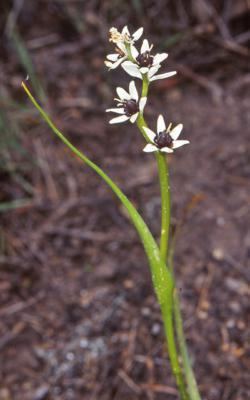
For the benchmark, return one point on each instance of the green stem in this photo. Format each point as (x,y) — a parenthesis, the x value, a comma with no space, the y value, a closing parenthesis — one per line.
(165,228)
(145,85)
(165,204)
(167,304)
(167,315)
(192,386)
(189,374)
(128,48)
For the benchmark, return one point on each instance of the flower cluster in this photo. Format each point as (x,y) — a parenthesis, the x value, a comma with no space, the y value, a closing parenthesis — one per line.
(144,65)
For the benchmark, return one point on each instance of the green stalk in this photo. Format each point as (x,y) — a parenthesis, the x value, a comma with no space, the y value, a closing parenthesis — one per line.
(167,306)
(187,366)
(167,315)
(165,203)
(165,228)
(164,184)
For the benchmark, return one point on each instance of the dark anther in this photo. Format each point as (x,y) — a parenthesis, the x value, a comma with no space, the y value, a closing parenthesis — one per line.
(145,59)
(130,107)
(163,139)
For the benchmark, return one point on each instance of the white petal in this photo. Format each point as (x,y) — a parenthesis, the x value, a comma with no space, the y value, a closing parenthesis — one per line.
(167,150)
(159,58)
(122,93)
(145,46)
(122,47)
(112,57)
(132,91)
(134,51)
(179,143)
(131,69)
(175,133)
(150,147)
(108,64)
(133,118)
(144,70)
(162,76)
(150,134)
(117,63)
(161,127)
(113,65)
(116,110)
(117,120)
(142,103)
(125,31)
(137,34)
(153,71)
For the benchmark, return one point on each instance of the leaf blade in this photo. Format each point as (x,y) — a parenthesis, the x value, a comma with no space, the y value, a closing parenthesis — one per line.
(161,276)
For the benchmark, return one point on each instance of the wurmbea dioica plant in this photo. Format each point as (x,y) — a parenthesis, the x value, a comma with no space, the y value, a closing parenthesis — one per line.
(130,105)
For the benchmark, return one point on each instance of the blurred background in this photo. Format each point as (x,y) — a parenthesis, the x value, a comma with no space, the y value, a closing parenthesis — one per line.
(78,317)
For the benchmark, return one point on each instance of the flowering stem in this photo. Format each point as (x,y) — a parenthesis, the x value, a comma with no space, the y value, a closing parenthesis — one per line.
(167,312)
(167,306)
(170,305)
(165,227)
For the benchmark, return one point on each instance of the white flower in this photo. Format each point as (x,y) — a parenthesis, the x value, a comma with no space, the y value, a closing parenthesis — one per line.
(164,140)
(145,63)
(124,36)
(121,40)
(115,59)
(128,105)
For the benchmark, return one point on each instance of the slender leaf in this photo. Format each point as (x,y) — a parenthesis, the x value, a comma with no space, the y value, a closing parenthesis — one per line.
(161,277)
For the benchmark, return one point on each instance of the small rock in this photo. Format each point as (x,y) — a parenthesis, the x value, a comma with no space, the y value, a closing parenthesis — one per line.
(41,393)
(218,254)
(84,343)
(220,221)
(145,311)
(234,306)
(4,394)
(128,284)
(230,323)
(237,286)
(156,328)
(70,356)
